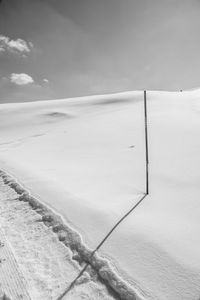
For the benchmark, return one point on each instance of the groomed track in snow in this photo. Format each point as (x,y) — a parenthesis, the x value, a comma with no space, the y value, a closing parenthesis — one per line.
(12,281)
(34,264)
(84,158)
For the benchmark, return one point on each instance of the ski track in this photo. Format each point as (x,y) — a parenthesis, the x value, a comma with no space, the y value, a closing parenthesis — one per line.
(34,263)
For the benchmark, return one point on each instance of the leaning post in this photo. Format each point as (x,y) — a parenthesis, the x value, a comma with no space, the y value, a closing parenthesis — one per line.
(146,142)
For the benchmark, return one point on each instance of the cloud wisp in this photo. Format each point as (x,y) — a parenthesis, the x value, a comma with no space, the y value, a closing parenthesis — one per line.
(21,79)
(18,46)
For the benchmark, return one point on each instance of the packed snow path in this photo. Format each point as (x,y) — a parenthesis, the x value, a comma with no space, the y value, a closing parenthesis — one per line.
(34,264)
(11,279)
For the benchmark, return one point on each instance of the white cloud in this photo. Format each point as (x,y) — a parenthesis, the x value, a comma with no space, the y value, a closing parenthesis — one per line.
(19,45)
(46,80)
(4,39)
(21,79)
(15,46)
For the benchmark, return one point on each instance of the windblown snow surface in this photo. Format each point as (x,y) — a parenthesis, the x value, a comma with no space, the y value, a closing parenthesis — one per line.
(85,159)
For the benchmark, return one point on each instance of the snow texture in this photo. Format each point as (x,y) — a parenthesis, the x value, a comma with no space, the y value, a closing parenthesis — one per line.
(84,159)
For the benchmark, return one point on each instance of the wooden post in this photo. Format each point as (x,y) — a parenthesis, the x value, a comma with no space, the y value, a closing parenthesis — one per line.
(146,143)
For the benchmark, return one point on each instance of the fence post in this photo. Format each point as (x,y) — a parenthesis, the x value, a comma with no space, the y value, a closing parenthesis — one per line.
(146,143)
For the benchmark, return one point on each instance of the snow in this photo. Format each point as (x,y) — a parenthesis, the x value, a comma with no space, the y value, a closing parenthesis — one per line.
(34,263)
(85,158)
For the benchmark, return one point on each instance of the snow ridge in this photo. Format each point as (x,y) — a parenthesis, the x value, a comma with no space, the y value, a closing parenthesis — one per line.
(72,239)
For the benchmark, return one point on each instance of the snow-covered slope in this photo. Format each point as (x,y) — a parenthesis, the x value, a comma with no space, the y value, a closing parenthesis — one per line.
(85,158)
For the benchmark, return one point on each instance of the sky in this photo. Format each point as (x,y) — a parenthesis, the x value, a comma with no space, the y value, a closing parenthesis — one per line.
(53,49)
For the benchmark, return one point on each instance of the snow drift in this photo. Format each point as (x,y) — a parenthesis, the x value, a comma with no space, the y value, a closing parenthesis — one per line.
(85,158)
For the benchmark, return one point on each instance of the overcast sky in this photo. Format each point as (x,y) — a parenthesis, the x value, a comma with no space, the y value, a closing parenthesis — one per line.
(62,48)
